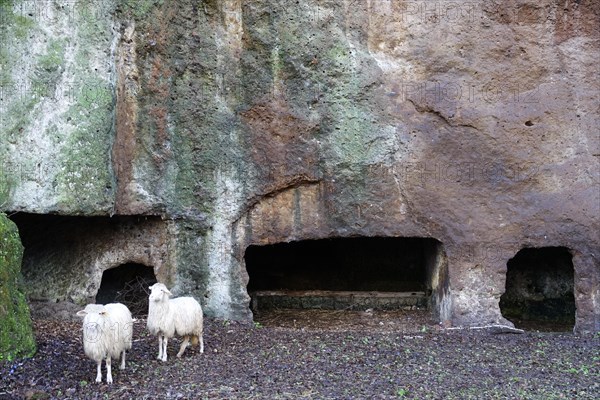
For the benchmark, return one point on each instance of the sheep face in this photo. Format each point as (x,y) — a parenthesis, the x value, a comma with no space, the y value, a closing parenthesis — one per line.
(159,292)
(94,318)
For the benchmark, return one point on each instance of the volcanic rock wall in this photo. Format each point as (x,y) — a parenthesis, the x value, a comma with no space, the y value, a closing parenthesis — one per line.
(240,123)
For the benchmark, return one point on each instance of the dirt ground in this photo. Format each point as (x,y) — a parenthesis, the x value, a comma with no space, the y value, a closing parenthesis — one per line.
(318,355)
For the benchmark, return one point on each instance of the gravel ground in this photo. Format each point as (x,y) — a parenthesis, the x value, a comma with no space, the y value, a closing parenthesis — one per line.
(318,355)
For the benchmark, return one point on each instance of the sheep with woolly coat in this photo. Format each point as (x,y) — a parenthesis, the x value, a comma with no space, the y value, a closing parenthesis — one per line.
(107,332)
(167,317)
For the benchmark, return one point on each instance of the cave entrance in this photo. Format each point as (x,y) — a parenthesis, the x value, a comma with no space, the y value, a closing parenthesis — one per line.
(539,290)
(127,284)
(361,273)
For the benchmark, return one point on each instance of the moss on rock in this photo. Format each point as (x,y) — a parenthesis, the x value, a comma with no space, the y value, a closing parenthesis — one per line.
(16,334)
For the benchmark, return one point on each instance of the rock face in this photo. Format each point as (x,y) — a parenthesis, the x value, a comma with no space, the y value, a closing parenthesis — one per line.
(16,334)
(252,123)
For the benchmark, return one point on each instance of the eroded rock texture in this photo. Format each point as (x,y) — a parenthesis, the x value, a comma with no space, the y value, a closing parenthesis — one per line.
(243,123)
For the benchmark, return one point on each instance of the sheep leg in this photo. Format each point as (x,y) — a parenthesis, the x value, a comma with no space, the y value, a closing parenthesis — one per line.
(184,344)
(108,371)
(164,353)
(160,346)
(99,371)
(123,361)
(201,344)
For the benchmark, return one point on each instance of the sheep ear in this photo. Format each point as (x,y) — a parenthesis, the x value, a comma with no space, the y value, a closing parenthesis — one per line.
(81,313)
(166,291)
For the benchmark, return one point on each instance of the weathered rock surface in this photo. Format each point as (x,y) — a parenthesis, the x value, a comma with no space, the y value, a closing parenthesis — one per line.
(57,106)
(16,334)
(259,122)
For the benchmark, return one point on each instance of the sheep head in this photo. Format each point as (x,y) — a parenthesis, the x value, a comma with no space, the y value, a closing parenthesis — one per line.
(159,292)
(93,319)
(91,310)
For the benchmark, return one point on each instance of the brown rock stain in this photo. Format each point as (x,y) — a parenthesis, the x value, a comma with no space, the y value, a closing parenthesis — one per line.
(124,147)
(158,85)
(293,213)
(577,18)
(281,143)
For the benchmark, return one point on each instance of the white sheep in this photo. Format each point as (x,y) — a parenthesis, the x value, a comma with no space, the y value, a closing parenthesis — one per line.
(107,332)
(167,317)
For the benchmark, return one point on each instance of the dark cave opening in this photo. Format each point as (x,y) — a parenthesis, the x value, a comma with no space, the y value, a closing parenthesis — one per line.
(127,284)
(60,249)
(347,273)
(539,291)
(41,231)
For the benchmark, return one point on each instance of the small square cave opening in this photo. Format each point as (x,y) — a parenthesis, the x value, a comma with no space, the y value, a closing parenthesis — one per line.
(384,273)
(127,284)
(539,290)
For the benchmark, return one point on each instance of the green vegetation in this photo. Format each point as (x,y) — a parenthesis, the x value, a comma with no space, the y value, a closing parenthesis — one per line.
(22,26)
(17,98)
(85,155)
(16,335)
(49,69)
